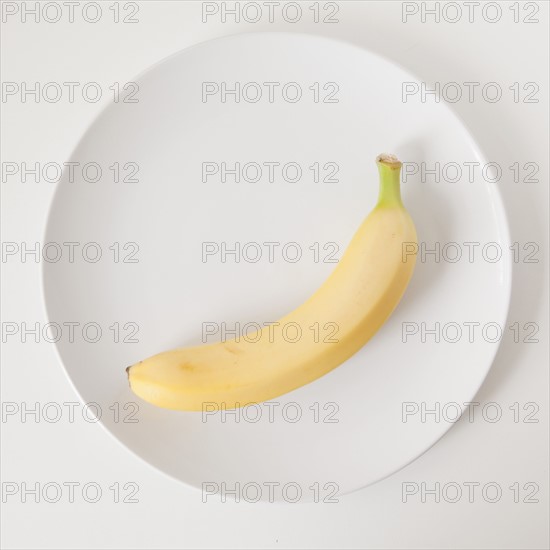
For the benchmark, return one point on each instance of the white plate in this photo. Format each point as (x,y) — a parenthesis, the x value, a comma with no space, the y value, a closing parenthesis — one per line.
(170,292)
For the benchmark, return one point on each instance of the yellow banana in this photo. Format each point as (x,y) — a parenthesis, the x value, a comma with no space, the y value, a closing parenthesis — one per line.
(357,298)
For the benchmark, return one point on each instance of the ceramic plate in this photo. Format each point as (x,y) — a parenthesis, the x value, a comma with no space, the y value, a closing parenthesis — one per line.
(184,257)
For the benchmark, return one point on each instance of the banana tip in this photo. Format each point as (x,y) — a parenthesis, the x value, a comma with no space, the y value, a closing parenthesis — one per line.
(388,158)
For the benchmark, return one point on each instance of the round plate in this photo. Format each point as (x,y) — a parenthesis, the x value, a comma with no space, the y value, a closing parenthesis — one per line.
(166,217)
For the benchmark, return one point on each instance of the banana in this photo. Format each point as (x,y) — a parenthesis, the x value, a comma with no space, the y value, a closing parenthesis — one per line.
(357,298)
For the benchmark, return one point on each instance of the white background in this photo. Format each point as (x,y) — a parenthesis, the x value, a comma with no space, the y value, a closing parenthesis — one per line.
(169,515)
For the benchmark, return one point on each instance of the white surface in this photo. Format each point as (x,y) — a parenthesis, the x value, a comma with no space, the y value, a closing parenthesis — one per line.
(168,515)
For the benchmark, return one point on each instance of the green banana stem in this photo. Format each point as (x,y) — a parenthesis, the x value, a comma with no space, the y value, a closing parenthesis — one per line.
(389,168)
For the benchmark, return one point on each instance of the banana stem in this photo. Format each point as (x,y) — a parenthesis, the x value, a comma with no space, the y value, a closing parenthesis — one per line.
(389,168)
